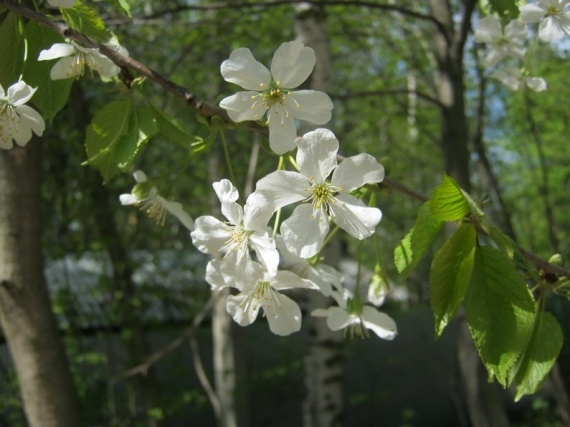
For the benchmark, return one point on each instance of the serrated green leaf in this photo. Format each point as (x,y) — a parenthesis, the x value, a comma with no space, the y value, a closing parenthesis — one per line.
(503,242)
(412,248)
(170,129)
(140,130)
(450,275)
(500,311)
(86,19)
(447,202)
(11,49)
(122,6)
(51,95)
(543,349)
(106,129)
(504,8)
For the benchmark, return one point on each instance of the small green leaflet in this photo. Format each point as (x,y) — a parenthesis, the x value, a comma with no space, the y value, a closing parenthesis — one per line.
(500,311)
(412,248)
(541,353)
(51,95)
(86,19)
(447,201)
(450,275)
(11,49)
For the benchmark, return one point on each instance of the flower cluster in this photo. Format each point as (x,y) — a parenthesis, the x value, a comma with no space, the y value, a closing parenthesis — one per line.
(507,45)
(260,265)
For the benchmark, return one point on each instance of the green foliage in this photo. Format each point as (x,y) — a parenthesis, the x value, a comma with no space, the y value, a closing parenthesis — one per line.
(504,8)
(500,311)
(11,49)
(86,19)
(447,202)
(541,353)
(412,248)
(169,128)
(108,129)
(450,274)
(51,95)
(122,6)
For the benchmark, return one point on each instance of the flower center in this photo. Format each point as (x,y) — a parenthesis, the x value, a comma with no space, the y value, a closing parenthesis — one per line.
(237,241)
(273,96)
(323,195)
(263,294)
(154,210)
(553,10)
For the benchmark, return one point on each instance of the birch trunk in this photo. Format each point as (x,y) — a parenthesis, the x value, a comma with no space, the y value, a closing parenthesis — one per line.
(323,405)
(28,324)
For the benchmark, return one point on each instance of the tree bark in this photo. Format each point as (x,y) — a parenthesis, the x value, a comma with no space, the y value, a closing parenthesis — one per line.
(29,325)
(324,404)
(484,406)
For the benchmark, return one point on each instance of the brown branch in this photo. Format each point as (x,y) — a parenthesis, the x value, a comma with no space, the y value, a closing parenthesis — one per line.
(173,345)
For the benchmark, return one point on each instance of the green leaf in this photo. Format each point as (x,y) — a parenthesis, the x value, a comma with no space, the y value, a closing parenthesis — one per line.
(500,311)
(504,8)
(447,201)
(450,274)
(412,248)
(11,49)
(503,242)
(170,129)
(543,349)
(51,95)
(86,19)
(106,129)
(141,129)
(122,6)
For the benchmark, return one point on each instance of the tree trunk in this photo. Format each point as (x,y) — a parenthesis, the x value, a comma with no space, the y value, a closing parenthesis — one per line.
(323,405)
(29,326)
(484,406)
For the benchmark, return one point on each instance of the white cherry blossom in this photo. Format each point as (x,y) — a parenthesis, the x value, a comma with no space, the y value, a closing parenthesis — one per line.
(306,229)
(515,79)
(246,228)
(357,318)
(262,290)
(17,120)
(553,19)
(511,42)
(74,58)
(271,92)
(145,195)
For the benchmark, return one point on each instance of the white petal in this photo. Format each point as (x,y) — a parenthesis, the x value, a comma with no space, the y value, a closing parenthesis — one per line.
(493,57)
(325,277)
(304,233)
(235,307)
(288,280)
(58,50)
(214,276)
(264,247)
(283,314)
(531,13)
(257,212)
(516,31)
(355,171)
(379,323)
(310,105)
(65,68)
(103,65)
(2,93)
(292,64)
(537,84)
(242,69)
(550,30)
(281,188)
(21,133)
(354,217)
(317,154)
(488,31)
(139,176)
(225,191)
(338,319)
(32,119)
(244,106)
(128,199)
(210,235)
(20,93)
(242,273)
(178,211)
(282,129)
